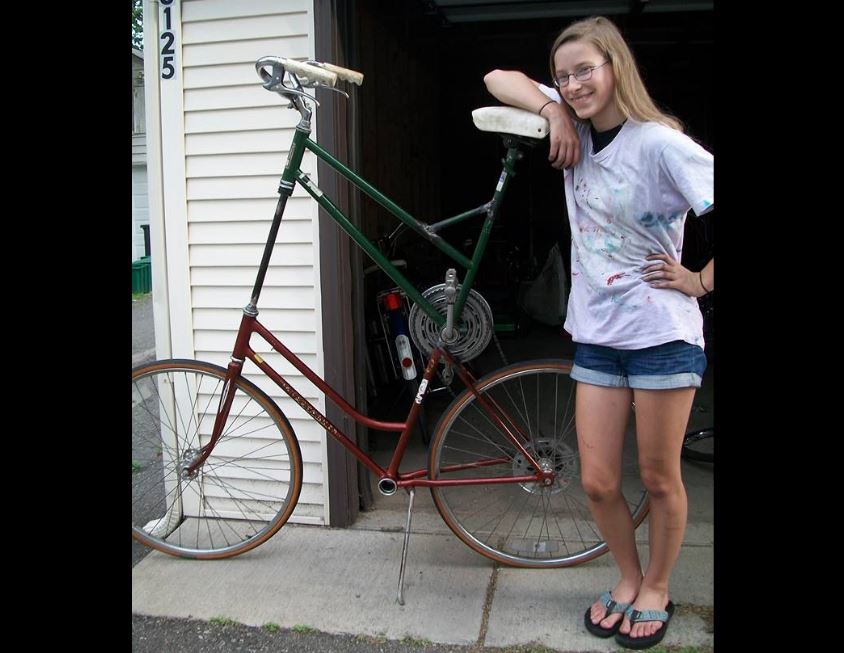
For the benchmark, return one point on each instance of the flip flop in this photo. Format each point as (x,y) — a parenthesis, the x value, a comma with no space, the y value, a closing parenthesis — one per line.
(613,607)
(637,616)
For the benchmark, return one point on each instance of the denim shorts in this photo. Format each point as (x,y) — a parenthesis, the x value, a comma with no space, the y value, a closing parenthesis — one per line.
(676,364)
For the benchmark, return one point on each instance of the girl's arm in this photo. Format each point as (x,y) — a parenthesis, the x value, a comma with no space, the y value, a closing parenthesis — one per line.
(518,90)
(665,272)
(706,276)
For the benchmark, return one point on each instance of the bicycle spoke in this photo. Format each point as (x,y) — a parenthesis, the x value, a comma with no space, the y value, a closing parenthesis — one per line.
(467,516)
(481,457)
(529,523)
(486,417)
(516,520)
(242,492)
(485,439)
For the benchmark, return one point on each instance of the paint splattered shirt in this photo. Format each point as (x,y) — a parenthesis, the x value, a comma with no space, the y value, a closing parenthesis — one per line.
(625,202)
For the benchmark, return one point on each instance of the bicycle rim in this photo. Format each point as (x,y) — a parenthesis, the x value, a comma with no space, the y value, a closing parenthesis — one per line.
(523,524)
(244,491)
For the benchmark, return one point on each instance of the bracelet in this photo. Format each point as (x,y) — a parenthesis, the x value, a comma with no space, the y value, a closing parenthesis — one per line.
(545,105)
(700,278)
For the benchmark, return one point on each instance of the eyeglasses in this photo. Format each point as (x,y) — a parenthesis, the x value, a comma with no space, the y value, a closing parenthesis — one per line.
(581,75)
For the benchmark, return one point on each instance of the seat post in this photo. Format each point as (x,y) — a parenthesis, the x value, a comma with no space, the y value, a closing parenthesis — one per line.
(519,142)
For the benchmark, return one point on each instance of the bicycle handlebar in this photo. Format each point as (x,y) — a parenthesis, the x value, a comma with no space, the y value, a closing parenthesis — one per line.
(345,74)
(308,73)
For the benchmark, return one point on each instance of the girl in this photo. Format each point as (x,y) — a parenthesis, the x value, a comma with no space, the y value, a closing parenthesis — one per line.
(630,178)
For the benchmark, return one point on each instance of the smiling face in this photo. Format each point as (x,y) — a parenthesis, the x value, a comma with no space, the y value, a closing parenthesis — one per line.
(593,99)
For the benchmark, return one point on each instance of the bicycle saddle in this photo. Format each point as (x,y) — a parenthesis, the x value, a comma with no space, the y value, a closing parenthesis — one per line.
(510,120)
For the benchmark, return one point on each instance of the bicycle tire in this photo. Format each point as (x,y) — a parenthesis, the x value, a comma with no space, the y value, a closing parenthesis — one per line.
(559,530)
(242,494)
(699,444)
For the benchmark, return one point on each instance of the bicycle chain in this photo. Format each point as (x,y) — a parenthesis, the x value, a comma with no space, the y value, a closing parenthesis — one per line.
(500,350)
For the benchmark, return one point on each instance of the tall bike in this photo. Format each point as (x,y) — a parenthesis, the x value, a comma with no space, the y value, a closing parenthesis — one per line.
(217,468)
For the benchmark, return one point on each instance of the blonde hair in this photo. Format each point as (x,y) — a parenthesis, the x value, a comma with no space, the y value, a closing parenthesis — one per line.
(631,96)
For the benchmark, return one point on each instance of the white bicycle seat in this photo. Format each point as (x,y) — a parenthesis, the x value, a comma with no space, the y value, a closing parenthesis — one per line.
(510,120)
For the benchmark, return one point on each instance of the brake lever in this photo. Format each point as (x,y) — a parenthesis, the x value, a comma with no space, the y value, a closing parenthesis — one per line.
(336,90)
(275,81)
(318,64)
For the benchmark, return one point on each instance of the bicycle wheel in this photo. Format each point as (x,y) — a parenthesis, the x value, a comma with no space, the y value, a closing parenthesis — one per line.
(699,445)
(523,524)
(246,489)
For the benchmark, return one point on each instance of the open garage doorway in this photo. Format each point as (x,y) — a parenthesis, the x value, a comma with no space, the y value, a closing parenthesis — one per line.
(423,64)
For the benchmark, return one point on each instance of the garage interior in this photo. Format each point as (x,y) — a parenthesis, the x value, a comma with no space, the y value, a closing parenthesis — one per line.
(423,63)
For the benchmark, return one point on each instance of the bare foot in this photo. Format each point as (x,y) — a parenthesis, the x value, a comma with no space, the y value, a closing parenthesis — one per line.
(623,592)
(647,599)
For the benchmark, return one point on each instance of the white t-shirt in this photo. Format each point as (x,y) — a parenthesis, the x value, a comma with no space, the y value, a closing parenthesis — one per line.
(625,202)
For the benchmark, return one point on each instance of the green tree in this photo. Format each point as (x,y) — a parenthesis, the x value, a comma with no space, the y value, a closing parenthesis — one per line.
(138,24)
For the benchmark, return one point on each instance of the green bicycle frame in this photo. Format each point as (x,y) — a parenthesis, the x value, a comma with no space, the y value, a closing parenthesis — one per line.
(293,173)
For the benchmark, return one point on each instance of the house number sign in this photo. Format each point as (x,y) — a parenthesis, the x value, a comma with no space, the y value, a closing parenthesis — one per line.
(167,40)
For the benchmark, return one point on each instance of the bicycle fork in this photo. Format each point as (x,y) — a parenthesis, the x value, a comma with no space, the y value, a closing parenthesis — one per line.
(189,467)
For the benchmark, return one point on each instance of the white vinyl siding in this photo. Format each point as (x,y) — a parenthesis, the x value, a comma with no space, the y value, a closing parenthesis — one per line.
(232,147)
(139,150)
(140,201)
(138,121)
(140,209)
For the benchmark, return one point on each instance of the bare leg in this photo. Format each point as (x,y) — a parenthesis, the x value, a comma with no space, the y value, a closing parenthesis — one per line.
(601,416)
(661,419)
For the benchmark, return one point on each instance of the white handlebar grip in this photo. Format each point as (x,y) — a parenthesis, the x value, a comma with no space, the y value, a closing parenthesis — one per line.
(345,73)
(311,72)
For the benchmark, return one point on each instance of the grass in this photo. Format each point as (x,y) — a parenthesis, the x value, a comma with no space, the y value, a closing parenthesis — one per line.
(303,629)
(139,295)
(407,640)
(539,648)
(136,467)
(411,641)
(222,621)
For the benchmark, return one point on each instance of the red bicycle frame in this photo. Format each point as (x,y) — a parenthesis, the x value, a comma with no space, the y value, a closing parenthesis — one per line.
(418,478)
